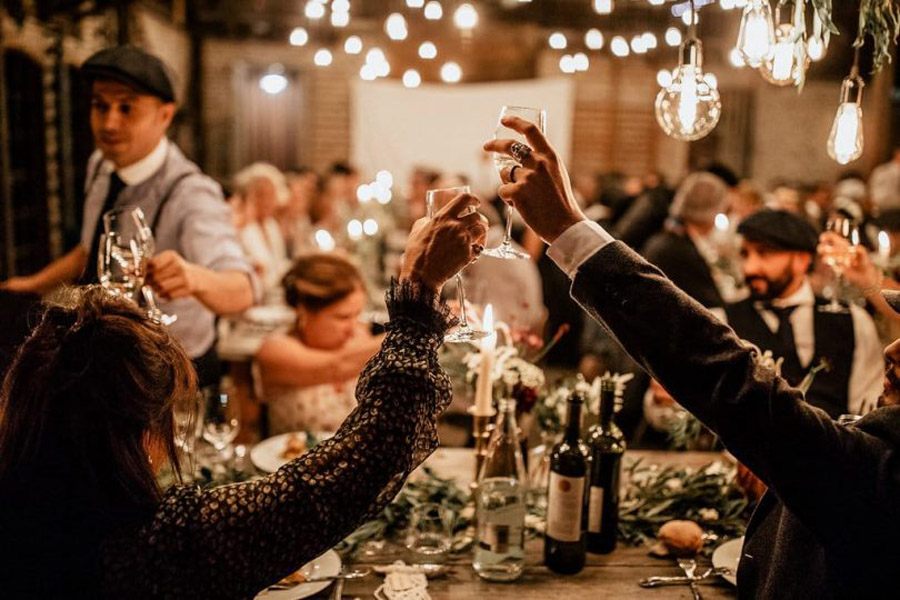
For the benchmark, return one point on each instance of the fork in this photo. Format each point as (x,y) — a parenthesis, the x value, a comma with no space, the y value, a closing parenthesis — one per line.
(689,566)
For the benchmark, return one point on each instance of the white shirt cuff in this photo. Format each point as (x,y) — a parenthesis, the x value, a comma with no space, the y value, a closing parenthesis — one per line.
(577,244)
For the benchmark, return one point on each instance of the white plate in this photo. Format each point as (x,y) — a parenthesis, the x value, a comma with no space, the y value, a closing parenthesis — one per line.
(327,565)
(266,455)
(729,555)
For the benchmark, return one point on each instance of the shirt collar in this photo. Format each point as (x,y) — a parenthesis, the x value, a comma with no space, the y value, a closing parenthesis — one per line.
(802,297)
(143,169)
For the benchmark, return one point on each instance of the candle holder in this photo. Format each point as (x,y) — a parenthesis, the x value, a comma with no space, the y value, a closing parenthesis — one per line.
(482,427)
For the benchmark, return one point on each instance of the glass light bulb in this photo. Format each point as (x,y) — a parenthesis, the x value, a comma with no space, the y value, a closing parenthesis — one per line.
(567,64)
(412,79)
(451,72)
(299,37)
(787,62)
(340,19)
(815,48)
(690,106)
(619,46)
(465,17)
(395,27)
(845,144)
(757,33)
(323,57)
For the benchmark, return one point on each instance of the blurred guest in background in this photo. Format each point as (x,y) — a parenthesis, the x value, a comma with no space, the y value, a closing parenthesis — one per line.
(884,184)
(264,190)
(683,251)
(309,375)
(647,214)
(199,270)
(296,225)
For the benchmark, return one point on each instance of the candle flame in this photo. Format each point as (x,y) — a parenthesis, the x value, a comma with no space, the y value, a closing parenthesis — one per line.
(488,319)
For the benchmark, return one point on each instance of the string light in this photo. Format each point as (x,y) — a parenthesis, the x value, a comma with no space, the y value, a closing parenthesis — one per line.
(340,19)
(650,41)
(324,240)
(581,61)
(273,83)
(603,7)
(427,51)
(736,58)
(340,6)
(412,79)
(558,41)
(465,17)
(619,46)
(664,78)
(637,45)
(434,11)
(593,39)
(567,64)
(299,37)
(395,27)
(451,72)
(415,3)
(673,36)
(314,10)
(353,45)
(757,33)
(323,57)
(355,229)
(845,142)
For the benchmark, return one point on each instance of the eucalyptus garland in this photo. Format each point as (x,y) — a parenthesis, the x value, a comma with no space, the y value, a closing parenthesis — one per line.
(878,19)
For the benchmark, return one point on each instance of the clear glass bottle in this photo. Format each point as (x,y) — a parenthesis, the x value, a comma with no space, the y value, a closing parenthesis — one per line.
(500,502)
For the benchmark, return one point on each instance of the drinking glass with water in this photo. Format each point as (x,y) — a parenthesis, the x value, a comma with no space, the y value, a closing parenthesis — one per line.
(429,537)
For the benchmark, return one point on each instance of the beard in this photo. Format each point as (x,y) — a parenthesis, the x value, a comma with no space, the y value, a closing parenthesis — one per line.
(772,289)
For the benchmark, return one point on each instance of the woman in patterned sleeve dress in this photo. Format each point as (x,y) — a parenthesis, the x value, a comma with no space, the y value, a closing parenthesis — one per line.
(85,419)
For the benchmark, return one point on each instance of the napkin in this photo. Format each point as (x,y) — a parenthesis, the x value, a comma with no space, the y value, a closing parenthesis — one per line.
(402,582)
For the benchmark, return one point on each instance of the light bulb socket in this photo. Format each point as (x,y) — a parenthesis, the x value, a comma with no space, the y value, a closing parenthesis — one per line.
(691,53)
(852,89)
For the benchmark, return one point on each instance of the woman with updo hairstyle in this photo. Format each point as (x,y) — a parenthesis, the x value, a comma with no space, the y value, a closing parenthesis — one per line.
(86,423)
(308,375)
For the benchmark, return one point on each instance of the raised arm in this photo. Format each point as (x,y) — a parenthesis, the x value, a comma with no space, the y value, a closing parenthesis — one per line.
(797,450)
(235,540)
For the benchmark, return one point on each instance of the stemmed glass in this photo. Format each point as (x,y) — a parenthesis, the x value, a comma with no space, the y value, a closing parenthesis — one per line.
(839,256)
(221,421)
(434,201)
(125,249)
(502,161)
(188,419)
(429,536)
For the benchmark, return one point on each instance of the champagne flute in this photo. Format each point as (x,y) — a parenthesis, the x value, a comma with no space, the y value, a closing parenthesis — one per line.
(839,256)
(502,161)
(434,201)
(221,421)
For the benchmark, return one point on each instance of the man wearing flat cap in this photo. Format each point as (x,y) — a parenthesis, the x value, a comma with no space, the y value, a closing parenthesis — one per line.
(784,316)
(199,269)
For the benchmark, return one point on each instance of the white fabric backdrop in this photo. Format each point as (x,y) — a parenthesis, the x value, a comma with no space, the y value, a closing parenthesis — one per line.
(443,126)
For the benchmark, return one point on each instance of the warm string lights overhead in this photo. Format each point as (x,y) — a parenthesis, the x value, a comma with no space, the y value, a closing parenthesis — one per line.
(787,61)
(688,106)
(845,142)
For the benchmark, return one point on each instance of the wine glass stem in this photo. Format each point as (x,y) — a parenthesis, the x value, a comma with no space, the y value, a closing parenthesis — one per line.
(461,296)
(507,237)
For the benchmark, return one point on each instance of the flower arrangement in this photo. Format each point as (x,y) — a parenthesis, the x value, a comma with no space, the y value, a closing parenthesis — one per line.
(550,411)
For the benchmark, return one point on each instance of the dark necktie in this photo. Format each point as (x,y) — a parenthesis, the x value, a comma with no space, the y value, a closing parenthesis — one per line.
(116,185)
(785,334)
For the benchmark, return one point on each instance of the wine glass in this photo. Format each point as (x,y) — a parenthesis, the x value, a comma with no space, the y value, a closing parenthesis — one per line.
(188,420)
(502,161)
(147,245)
(839,256)
(118,269)
(221,421)
(434,201)
(429,536)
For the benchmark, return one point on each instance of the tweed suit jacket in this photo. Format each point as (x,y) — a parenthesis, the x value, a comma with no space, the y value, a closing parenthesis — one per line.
(830,524)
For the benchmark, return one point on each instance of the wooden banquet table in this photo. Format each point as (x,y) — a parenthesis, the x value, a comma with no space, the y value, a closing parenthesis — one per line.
(615,575)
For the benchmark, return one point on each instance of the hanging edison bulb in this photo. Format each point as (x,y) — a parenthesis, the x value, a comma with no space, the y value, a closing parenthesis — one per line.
(845,143)
(757,34)
(787,62)
(689,107)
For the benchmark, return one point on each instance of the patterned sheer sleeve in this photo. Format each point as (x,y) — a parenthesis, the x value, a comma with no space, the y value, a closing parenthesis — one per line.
(232,541)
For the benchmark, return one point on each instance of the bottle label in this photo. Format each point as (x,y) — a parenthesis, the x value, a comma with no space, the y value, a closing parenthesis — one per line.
(595,509)
(565,500)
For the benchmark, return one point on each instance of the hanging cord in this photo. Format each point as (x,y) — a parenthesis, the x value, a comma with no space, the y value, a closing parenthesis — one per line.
(692,28)
(854,70)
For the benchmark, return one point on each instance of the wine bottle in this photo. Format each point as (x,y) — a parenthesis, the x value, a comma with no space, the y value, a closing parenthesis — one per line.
(564,549)
(607,444)
(500,502)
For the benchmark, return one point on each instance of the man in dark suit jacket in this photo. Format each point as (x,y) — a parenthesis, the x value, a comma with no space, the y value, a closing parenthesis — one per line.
(829,524)
(683,250)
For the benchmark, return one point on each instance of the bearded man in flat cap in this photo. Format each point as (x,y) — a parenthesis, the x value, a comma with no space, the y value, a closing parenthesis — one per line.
(199,270)
(784,316)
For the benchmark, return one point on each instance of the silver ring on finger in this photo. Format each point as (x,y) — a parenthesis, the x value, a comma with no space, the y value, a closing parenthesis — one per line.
(520,152)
